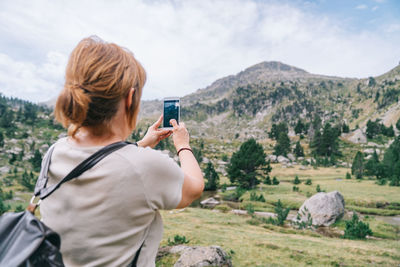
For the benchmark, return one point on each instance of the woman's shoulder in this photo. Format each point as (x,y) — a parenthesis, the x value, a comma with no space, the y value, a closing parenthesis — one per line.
(139,154)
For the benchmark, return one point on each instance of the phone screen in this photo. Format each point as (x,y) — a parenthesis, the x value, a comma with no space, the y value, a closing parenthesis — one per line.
(171,111)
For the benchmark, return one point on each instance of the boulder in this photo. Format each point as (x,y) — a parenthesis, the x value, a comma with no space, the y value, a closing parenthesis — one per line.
(358,137)
(324,208)
(209,202)
(371,151)
(199,256)
(291,157)
(272,158)
(282,159)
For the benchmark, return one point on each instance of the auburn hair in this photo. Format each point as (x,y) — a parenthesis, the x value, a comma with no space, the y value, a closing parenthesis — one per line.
(98,76)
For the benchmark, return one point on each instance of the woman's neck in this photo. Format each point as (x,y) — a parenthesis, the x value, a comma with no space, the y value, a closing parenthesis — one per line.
(118,131)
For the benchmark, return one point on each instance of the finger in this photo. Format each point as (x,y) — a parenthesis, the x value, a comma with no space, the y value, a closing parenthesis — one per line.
(182,124)
(162,137)
(174,124)
(163,132)
(158,122)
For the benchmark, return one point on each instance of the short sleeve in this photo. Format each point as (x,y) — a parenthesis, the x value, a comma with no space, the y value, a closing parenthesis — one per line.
(162,179)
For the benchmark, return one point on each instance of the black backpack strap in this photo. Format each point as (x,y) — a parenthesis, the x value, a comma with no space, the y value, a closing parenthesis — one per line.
(42,191)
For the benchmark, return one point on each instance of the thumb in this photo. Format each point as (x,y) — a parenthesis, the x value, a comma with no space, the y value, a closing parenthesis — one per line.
(174,124)
(158,122)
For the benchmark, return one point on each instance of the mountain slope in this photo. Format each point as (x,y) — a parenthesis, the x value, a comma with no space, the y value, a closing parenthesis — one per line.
(246,104)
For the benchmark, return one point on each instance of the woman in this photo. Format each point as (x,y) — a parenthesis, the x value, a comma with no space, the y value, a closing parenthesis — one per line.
(112,210)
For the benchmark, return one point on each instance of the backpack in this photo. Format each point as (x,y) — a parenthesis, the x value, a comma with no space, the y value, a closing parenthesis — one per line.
(24,239)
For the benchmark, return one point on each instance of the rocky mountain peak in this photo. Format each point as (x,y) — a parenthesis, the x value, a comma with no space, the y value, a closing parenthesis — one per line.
(273,66)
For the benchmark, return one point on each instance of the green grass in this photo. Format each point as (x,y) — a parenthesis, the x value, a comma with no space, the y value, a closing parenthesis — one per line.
(268,245)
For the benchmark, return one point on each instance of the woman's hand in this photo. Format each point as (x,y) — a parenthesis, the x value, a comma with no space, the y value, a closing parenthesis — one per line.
(181,135)
(154,135)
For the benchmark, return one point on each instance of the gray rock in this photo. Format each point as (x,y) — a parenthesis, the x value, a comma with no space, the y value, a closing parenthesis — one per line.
(272,158)
(209,202)
(202,256)
(4,169)
(358,137)
(324,208)
(282,159)
(291,157)
(221,162)
(371,151)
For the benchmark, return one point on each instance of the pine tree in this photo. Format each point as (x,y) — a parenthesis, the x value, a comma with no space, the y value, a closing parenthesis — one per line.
(372,129)
(357,168)
(300,127)
(282,146)
(398,125)
(296,180)
(345,128)
(267,180)
(36,160)
(1,139)
(372,165)
(391,162)
(212,178)
(27,181)
(298,150)
(277,129)
(244,164)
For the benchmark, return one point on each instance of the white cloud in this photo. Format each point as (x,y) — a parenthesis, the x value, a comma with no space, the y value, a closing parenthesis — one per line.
(184,45)
(29,81)
(362,6)
(393,28)
(374,8)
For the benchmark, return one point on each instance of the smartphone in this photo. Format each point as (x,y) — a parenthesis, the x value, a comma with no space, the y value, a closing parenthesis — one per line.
(171,110)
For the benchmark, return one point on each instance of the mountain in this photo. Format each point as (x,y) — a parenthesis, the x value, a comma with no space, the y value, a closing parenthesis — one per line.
(246,104)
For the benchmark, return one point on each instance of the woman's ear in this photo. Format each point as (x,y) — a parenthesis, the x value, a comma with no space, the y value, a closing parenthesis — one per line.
(129,98)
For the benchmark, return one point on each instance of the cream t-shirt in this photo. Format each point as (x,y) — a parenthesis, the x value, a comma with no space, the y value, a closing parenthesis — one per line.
(104,215)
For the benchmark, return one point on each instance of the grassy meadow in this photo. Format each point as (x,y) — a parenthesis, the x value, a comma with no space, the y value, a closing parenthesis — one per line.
(251,242)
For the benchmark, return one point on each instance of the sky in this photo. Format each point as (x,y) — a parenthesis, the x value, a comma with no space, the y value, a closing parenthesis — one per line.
(187,45)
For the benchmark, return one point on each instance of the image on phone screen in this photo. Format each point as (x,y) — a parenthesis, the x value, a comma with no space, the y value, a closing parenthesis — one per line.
(171,111)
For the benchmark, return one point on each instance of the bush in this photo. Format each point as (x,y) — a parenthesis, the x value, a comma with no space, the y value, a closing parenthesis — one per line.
(223,208)
(250,208)
(356,229)
(255,197)
(235,195)
(267,180)
(223,187)
(348,175)
(275,181)
(296,180)
(19,208)
(281,212)
(318,188)
(299,224)
(177,240)
(308,182)
(381,181)
(295,188)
